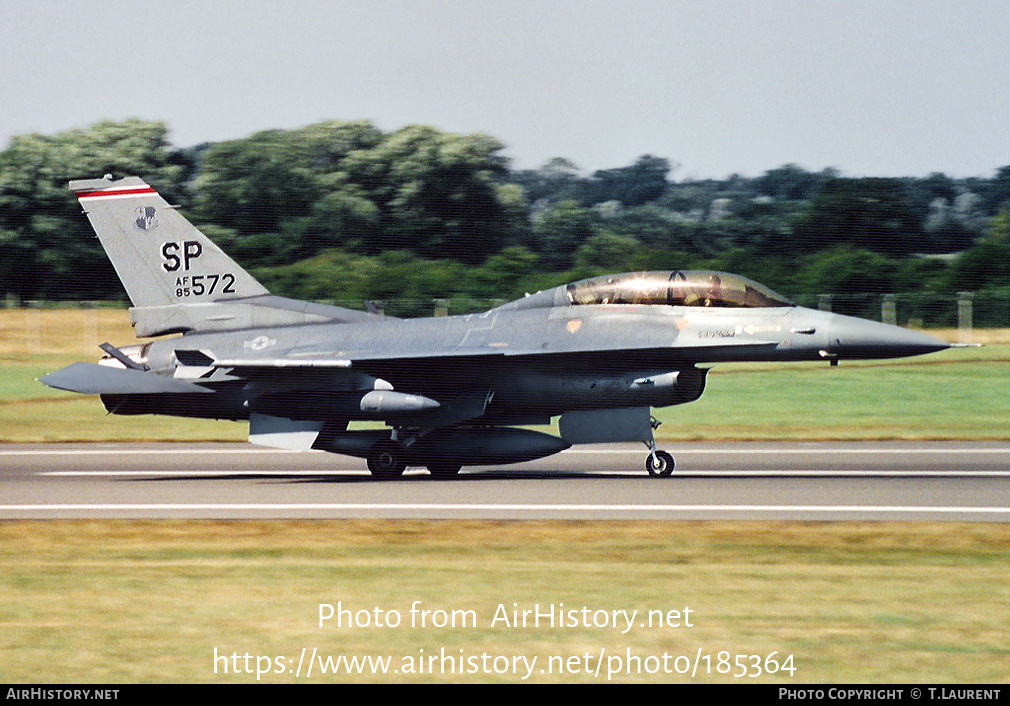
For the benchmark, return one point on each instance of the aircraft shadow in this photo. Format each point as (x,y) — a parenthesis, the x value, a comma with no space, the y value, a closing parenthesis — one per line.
(498,475)
(365,477)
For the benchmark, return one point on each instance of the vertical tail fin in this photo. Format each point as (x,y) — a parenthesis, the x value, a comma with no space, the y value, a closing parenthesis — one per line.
(177,278)
(161,258)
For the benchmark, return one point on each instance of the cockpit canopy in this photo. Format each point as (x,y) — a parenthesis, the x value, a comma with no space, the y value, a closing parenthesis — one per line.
(697,288)
(678,288)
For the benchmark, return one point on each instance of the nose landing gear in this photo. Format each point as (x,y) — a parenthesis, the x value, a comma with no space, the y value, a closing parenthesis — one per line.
(658,462)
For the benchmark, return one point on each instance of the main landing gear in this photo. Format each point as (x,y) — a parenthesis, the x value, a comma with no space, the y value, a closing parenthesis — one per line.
(658,462)
(386,460)
(443,469)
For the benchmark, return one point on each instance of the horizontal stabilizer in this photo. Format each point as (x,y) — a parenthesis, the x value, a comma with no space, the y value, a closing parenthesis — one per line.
(92,379)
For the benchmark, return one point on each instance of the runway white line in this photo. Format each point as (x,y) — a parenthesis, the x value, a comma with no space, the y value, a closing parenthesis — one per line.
(147,452)
(274,507)
(215,472)
(681,474)
(745,450)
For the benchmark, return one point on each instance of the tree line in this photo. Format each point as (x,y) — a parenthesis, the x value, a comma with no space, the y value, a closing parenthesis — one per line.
(343,211)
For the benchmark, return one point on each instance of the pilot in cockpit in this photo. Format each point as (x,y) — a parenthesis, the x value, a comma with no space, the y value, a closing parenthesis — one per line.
(713,294)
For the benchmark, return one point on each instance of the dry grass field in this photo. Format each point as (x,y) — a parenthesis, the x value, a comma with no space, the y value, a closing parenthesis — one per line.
(126,602)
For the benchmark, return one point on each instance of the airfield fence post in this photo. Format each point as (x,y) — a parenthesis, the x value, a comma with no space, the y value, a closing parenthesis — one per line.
(964,315)
(33,326)
(89,325)
(889,309)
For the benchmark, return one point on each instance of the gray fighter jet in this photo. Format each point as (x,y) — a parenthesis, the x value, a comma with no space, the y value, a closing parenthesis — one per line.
(451,391)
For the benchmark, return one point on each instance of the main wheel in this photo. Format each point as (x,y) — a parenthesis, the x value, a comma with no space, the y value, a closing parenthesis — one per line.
(660,464)
(444,469)
(385,460)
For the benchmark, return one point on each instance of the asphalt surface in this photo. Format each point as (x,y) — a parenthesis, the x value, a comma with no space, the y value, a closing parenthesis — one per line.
(949,481)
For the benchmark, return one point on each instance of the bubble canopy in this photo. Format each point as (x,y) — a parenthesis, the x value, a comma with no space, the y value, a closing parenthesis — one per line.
(696,288)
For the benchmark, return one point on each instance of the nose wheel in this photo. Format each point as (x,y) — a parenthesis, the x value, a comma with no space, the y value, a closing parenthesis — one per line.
(659,463)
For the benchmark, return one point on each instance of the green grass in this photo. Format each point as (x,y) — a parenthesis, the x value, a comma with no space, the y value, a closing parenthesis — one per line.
(129,601)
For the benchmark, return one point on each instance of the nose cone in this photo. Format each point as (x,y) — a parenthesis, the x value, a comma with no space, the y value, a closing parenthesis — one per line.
(851,337)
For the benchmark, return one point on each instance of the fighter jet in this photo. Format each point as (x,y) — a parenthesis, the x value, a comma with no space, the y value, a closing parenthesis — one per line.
(447,392)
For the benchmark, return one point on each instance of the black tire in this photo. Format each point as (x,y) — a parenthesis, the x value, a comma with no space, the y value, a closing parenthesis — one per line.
(663,466)
(444,469)
(385,460)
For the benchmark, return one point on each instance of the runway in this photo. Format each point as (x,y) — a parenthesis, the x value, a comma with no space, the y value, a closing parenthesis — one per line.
(920,481)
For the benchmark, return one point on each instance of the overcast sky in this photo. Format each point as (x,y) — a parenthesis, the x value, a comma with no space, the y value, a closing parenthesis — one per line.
(870,87)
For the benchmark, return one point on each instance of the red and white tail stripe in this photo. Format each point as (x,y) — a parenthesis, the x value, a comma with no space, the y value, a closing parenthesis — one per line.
(116,192)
